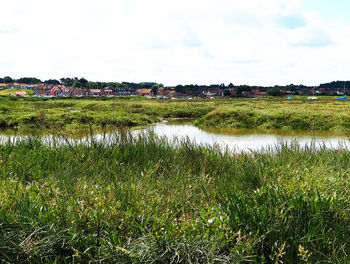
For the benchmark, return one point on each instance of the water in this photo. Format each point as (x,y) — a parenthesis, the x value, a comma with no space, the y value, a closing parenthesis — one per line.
(250,139)
(235,140)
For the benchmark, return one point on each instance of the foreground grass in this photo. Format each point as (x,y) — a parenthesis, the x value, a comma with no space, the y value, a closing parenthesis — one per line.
(143,200)
(264,113)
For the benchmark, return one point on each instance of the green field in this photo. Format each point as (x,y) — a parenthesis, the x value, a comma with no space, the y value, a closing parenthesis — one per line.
(13,91)
(264,113)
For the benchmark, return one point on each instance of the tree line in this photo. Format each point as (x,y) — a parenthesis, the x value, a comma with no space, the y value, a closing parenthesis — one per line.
(86,84)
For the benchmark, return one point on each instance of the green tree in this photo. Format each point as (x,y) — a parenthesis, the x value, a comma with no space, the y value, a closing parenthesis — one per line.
(8,79)
(76,84)
(52,81)
(275,92)
(83,82)
(155,89)
(227,92)
(29,80)
(243,88)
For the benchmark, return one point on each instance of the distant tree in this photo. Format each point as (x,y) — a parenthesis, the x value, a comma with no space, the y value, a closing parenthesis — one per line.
(76,84)
(1,80)
(52,81)
(67,81)
(155,89)
(243,88)
(230,86)
(83,82)
(179,88)
(91,85)
(275,92)
(29,80)
(335,85)
(227,92)
(147,85)
(8,79)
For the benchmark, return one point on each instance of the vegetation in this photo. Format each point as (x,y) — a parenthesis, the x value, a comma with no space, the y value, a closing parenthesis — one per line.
(100,112)
(325,114)
(277,90)
(12,92)
(267,113)
(144,200)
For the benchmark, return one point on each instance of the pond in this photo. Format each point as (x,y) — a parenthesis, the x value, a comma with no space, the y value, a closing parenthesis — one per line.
(250,139)
(235,140)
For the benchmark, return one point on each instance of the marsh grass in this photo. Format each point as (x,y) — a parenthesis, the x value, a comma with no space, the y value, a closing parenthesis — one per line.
(265,113)
(142,199)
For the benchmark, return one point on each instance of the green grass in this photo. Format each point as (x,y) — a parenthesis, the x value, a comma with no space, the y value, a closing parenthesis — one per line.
(144,200)
(264,113)
(13,91)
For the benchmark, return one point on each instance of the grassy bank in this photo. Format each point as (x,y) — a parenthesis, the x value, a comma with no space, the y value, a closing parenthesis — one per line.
(143,200)
(265,113)
(325,114)
(99,112)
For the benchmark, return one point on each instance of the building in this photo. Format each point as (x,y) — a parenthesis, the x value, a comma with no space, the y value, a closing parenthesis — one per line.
(145,92)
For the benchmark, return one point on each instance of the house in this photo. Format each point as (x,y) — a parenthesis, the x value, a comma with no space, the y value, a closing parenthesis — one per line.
(144,92)
(21,94)
(79,92)
(41,92)
(40,86)
(108,92)
(124,91)
(196,93)
(95,92)
(209,93)
(56,91)
(170,93)
(257,92)
(161,91)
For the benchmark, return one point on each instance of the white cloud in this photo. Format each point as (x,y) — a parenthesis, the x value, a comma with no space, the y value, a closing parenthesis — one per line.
(253,41)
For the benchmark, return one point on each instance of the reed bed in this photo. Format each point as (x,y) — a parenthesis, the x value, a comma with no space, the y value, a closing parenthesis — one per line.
(142,199)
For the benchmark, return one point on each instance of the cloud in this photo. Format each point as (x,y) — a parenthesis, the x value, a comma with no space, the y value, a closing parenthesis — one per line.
(314,34)
(252,41)
(292,21)
(190,39)
(245,61)
(314,38)
(9,30)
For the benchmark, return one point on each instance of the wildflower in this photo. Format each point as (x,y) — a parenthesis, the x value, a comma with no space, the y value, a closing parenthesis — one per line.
(303,253)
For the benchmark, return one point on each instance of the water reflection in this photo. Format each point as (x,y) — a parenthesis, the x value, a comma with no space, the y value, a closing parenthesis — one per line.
(236,140)
(249,139)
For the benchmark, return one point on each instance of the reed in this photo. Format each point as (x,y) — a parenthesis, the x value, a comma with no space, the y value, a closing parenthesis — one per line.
(142,199)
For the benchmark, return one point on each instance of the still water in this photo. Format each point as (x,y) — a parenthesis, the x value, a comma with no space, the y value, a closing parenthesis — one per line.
(235,140)
(250,139)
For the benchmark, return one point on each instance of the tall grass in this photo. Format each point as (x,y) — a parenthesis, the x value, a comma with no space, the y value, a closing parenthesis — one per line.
(143,199)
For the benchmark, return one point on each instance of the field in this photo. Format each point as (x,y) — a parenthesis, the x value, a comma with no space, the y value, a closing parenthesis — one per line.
(324,114)
(142,199)
(13,91)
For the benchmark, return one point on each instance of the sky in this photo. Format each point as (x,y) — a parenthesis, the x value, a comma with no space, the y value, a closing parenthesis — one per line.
(254,42)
